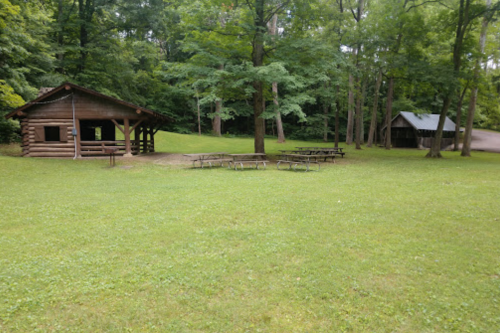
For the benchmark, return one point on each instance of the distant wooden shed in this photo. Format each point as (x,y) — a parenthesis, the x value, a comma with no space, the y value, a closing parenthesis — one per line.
(411,130)
(71,120)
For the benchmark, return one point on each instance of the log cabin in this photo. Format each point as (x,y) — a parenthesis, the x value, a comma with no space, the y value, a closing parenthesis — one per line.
(411,130)
(73,121)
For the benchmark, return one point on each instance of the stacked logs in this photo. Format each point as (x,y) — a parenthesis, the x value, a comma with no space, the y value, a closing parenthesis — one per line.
(31,148)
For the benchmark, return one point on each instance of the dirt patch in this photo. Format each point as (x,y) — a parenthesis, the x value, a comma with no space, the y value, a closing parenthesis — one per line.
(485,141)
(162,158)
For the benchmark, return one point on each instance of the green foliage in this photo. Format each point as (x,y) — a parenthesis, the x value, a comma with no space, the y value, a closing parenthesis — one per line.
(167,55)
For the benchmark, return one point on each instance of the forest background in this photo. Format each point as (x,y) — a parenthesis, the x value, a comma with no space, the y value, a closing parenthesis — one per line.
(331,70)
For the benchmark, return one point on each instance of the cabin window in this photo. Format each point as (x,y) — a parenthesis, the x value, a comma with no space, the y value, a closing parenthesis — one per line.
(52,133)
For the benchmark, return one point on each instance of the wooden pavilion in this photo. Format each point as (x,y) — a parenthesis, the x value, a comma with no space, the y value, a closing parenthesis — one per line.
(72,121)
(411,130)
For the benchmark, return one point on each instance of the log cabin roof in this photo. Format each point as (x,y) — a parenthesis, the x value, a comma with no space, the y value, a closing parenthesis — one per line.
(68,86)
(425,122)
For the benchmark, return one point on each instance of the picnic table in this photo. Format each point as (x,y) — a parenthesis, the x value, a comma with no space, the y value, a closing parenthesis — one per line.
(322,150)
(300,159)
(248,158)
(209,158)
(324,154)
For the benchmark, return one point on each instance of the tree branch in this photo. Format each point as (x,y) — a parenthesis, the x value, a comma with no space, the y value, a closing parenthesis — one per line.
(430,1)
(276,11)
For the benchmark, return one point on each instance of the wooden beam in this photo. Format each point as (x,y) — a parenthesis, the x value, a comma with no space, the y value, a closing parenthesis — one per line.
(138,111)
(67,87)
(137,134)
(118,125)
(78,139)
(135,125)
(21,114)
(128,150)
(144,139)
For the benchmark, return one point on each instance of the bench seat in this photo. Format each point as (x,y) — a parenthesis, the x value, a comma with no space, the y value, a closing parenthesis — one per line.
(214,160)
(241,162)
(295,163)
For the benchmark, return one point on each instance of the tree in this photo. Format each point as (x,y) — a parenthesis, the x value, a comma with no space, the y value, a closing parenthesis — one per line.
(466,147)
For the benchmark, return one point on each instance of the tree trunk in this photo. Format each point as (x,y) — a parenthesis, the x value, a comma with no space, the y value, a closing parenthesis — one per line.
(350,122)
(279,124)
(358,92)
(466,147)
(362,115)
(359,97)
(373,124)
(258,60)
(216,122)
(199,114)
(458,119)
(337,117)
(388,113)
(86,11)
(463,22)
(60,37)
(326,110)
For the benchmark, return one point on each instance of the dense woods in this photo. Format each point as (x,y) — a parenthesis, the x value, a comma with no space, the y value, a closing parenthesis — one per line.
(332,70)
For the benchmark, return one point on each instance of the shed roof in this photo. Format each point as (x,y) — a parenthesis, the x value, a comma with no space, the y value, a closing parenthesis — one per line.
(67,85)
(426,122)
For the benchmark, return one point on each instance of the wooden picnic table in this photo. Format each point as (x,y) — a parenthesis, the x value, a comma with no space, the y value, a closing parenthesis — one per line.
(209,158)
(322,150)
(248,158)
(296,159)
(324,153)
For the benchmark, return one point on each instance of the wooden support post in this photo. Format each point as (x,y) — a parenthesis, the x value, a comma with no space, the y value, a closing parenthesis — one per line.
(78,139)
(137,137)
(145,139)
(128,150)
(152,135)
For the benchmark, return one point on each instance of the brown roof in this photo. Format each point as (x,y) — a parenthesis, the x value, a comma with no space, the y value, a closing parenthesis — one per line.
(156,115)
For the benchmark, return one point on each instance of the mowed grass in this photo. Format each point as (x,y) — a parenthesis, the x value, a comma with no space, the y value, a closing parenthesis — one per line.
(382,241)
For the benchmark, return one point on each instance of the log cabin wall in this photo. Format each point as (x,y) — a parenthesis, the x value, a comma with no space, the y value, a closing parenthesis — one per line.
(46,130)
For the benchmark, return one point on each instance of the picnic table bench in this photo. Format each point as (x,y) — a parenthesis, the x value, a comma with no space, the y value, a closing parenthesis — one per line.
(209,158)
(249,158)
(299,159)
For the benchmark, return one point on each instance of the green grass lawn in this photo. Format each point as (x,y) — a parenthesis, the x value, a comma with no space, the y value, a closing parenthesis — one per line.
(382,241)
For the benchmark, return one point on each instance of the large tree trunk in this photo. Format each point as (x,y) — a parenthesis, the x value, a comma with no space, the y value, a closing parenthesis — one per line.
(279,124)
(337,117)
(86,11)
(258,60)
(463,21)
(216,121)
(326,113)
(466,147)
(326,109)
(458,119)
(60,37)
(388,113)
(435,150)
(359,97)
(362,115)
(199,113)
(350,120)
(373,123)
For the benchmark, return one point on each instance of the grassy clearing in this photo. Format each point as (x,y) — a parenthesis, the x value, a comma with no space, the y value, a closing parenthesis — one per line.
(382,241)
